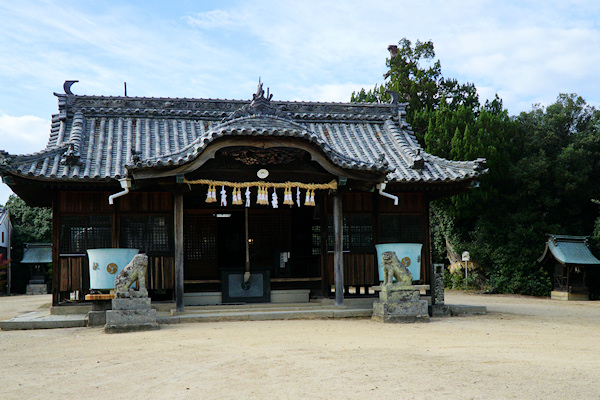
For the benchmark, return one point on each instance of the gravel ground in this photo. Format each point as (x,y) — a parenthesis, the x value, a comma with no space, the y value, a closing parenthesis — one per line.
(524,348)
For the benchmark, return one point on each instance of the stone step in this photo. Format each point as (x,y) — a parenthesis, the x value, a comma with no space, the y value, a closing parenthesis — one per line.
(265,315)
(41,320)
(458,310)
(232,308)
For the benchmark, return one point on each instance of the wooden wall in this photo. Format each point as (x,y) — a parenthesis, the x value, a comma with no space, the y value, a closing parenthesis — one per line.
(71,272)
(360,269)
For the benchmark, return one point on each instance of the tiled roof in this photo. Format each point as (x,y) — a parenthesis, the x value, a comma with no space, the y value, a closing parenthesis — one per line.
(569,250)
(3,215)
(95,138)
(37,253)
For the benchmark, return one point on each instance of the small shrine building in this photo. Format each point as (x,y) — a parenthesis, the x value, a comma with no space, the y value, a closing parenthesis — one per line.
(575,269)
(296,192)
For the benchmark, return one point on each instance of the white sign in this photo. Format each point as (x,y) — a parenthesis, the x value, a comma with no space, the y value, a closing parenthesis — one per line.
(465,256)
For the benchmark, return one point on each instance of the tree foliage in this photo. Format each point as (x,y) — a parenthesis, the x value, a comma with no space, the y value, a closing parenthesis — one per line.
(543,168)
(30,225)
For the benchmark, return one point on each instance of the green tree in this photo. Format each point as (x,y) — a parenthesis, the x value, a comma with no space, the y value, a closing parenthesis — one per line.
(543,167)
(30,225)
(552,175)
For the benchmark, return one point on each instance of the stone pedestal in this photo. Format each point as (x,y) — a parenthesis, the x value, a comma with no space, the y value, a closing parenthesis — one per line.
(101,302)
(129,315)
(37,288)
(400,304)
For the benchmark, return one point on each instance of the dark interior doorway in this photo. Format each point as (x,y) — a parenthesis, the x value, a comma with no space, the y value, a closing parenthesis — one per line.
(231,252)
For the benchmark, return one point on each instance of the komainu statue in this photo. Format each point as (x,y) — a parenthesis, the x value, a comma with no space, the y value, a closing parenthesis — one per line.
(393,268)
(135,271)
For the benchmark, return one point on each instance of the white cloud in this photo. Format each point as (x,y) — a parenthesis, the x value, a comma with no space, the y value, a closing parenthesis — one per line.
(329,92)
(23,135)
(521,50)
(211,19)
(5,192)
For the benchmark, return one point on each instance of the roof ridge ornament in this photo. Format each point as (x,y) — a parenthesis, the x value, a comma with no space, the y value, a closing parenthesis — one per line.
(71,156)
(260,93)
(260,105)
(67,87)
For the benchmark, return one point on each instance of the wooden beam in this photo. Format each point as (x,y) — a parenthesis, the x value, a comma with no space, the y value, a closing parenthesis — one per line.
(338,249)
(178,233)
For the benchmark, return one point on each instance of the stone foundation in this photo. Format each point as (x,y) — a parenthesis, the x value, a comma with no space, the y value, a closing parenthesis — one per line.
(557,295)
(129,315)
(400,304)
(34,289)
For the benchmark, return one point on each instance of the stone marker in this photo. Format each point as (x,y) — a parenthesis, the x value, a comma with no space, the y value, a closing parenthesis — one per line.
(131,310)
(438,308)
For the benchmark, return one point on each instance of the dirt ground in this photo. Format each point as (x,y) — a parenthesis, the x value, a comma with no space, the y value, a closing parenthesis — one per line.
(525,348)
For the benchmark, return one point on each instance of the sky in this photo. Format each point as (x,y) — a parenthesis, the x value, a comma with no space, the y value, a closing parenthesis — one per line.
(527,52)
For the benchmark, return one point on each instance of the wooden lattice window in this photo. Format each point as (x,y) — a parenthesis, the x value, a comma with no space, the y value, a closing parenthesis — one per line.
(151,234)
(79,233)
(401,228)
(357,233)
(316,240)
(200,237)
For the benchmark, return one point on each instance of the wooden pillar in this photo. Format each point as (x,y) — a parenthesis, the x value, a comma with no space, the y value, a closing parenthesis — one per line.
(325,281)
(427,267)
(338,249)
(178,231)
(56,273)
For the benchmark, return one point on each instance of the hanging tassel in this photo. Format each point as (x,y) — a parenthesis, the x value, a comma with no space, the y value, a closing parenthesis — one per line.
(208,197)
(238,197)
(307,198)
(312,197)
(223,197)
(213,194)
(298,196)
(287,197)
(248,196)
(234,200)
(274,202)
(210,194)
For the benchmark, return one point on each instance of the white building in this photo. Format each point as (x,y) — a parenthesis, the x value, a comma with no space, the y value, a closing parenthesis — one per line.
(5,234)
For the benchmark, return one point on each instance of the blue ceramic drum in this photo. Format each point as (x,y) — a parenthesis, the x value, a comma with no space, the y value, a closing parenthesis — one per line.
(408,253)
(105,264)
